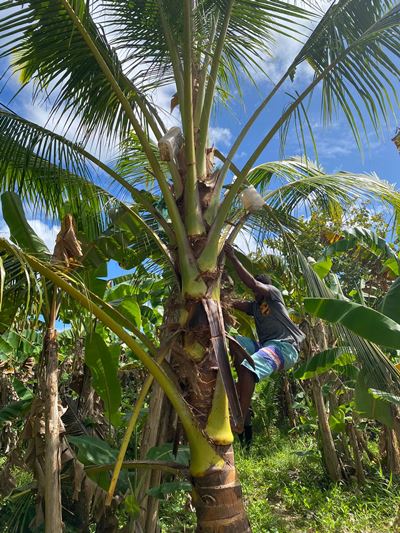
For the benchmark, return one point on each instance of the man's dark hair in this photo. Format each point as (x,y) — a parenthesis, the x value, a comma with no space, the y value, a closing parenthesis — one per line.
(263,278)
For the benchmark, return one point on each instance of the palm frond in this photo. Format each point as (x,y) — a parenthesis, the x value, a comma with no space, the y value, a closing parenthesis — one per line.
(49,174)
(136,28)
(252,30)
(55,176)
(304,187)
(270,222)
(354,49)
(45,47)
(307,185)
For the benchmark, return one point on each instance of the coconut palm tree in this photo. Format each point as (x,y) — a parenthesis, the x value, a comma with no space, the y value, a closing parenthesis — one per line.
(97,64)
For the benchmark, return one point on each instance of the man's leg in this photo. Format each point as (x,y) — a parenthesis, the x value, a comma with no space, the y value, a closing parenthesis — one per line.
(247,436)
(263,365)
(246,385)
(241,348)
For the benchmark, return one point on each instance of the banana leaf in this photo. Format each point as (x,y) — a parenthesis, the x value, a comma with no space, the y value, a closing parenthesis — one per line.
(362,320)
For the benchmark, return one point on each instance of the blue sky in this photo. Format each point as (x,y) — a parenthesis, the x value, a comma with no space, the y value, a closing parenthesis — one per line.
(337,148)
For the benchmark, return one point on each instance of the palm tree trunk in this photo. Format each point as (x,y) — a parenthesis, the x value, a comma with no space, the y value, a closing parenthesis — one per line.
(217,497)
(217,494)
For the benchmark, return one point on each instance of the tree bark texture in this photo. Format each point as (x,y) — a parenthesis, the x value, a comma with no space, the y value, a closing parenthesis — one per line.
(52,489)
(218,499)
(155,433)
(393,451)
(288,401)
(328,445)
(316,341)
(217,495)
(356,454)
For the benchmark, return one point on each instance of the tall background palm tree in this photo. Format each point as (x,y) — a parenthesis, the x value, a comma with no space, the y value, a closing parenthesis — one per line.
(98,63)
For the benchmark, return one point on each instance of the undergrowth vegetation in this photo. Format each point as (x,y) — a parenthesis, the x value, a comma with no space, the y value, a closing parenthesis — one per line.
(287,490)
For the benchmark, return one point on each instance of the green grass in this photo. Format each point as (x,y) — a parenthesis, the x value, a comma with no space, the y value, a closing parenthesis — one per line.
(286,490)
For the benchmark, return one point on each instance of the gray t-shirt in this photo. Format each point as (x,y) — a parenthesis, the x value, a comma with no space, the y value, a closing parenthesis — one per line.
(272,320)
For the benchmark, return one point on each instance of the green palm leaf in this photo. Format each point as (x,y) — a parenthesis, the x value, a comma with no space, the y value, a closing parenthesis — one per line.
(47,47)
(305,186)
(138,28)
(355,44)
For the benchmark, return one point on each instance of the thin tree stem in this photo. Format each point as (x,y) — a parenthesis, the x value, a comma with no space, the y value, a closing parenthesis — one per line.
(52,470)
(129,430)
(193,216)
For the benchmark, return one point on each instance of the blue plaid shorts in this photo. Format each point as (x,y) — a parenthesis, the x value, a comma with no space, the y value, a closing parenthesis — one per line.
(268,358)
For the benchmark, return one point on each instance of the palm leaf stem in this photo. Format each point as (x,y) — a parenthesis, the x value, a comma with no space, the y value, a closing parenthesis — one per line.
(129,430)
(123,321)
(193,217)
(213,236)
(202,79)
(137,195)
(236,228)
(203,454)
(161,180)
(152,234)
(209,94)
(173,52)
(214,205)
(224,159)
(178,77)
(363,39)
(164,466)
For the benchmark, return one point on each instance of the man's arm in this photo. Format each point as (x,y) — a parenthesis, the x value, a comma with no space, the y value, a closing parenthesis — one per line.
(246,307)
(247,278)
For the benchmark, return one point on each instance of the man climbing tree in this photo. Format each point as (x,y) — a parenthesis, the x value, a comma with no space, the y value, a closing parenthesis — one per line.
(278,337)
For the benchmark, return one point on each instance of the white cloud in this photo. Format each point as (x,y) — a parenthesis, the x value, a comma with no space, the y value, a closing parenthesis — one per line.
(161,99)
(47,233)
(285,48)
(4,232)
(221,136)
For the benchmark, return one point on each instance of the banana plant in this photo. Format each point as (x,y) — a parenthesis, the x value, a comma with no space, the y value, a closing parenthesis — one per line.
(98,63)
